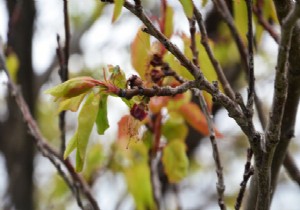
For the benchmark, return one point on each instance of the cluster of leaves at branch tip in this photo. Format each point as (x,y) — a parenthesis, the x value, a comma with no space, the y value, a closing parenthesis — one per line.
(149,60)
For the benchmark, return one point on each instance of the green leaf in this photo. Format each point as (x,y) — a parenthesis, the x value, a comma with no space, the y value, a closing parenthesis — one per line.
(12,63)
(175,128)
(175,161)
(140,48)
(188,7)
(240,18)
(71,146)
(71,104)
(94,161)
(168,30)
(137,174)
(86,119)
(175,64)
(117,77)
(117,9)
(101,120)
(139,185)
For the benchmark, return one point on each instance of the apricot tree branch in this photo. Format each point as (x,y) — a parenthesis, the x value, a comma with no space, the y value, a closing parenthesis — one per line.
(272,132)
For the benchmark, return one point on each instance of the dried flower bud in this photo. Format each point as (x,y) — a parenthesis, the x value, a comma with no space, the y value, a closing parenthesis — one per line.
(139,111)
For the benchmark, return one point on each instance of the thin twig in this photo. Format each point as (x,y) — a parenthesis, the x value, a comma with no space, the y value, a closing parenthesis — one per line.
(193,46)
(204,41)
(257,10)
(251,79)
(248,172)
(219,169)
(291,168)
(64,71)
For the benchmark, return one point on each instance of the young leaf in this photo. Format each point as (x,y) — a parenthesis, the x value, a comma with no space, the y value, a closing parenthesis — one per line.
(188,7)
(137,174)
(240,18)
(12,63)
(175,161)
(71,146)
(117,77)
(71,104)
(73,87)
(175,128)
(168,30)
(140,48)
(117,9)
(101,120)
(157,103)
(128,128)
(193,116)
(86,119)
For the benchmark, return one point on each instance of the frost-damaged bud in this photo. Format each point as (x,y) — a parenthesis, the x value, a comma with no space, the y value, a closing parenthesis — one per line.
(134,81)
(139,111)
(73,87)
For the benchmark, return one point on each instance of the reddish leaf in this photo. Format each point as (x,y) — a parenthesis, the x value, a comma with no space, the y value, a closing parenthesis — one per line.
(157,103)
(128,128)
(73,87)
(194,116)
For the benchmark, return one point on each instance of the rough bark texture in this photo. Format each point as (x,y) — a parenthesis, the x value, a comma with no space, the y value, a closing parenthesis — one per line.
(291,106)
(16,143)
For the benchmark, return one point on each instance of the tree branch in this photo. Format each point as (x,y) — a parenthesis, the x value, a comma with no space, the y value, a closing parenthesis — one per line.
(273,129)
(219,168)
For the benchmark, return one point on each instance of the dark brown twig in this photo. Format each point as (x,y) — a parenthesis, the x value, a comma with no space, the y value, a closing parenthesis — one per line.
(248,172)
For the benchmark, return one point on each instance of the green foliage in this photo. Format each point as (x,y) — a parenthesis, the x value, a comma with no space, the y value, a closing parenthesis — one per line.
(240,18)
(175,128)
(86,119)
(188,7)
(101,120)
(12,63)
(175,161)
(140,49)
(169,21)
(117,9)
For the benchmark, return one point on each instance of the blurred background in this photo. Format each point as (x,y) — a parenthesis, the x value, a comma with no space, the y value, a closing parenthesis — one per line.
(95,43)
